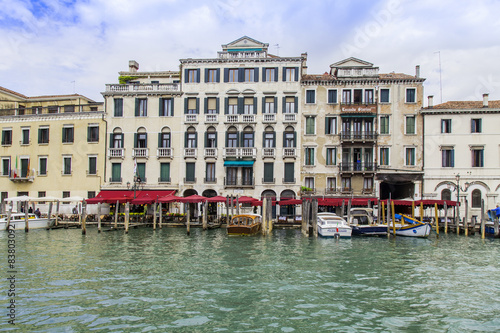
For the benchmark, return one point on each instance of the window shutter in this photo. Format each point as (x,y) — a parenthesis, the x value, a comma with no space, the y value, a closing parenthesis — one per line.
(218,75)
(275,74)
(135,140)
(137,107)
(283,105)
(274,139)
(452,158)
(241,74)
(295,139)
(255,105)
(263,104)
(226,105)
(206,106)
(186,102)
(264,74)
(284,74)
(217,104)
(185,139)
(146,141)
(284,138)
(39,136)
(241,105)
(216,136)
(159,141)
(196,140)
(263,139)
(88,134)
(227,137)
(256,74)
(161,108)
(111,139)
(237,139)
(206,75)
(197,105)
(296,74)
(226,74)
(275,104)
(186,76)
(296,104)
(327,125)
(206,140)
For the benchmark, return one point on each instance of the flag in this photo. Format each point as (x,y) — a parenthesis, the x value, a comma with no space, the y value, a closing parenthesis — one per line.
(135,167)
(28,171)
(15,170)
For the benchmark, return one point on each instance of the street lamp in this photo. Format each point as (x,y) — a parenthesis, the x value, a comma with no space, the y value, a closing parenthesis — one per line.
(467,184)
(135,186)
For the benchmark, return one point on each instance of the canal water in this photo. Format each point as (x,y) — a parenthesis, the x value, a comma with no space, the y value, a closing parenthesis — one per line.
(166,281)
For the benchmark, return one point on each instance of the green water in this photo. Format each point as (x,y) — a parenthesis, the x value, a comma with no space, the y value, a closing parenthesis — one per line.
(166,281)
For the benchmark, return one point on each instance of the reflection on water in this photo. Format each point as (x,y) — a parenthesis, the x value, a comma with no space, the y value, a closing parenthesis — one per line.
(161,281)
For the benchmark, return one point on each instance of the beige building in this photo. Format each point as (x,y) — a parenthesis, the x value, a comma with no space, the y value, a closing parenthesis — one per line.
(51,145)
(462,138)
(362,132)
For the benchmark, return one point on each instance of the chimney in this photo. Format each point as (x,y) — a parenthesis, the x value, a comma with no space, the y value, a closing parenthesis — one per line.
(485,100)
(133,66)
(304,63)
(430,103)
(417,71)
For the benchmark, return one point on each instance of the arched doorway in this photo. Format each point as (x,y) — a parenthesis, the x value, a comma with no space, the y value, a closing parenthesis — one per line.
(270,194)
(287,210)
(212,206)
(193,208)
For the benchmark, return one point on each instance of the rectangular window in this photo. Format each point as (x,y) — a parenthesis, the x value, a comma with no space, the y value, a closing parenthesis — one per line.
(43,135)
(268,173)
(42,166)
(141,172)
(164,172)
(93,133)
(142,140)
(475,126)
(289,173)
(384,124)
(166,107)
(118,107)
(66,165)
(309,156)
(53,109)
(331,156)
(116,172)
(190,172)
(410,156)
(410,125)
(369,96)
(141,107)
(411,95)
(332,96)
(66,194)
(232,105)
(248,105)
(448,158)
(233,75)
(478,158)
(346,184)
(248,140)
(290,105)
(384,95)
(192,105)
(42,194)
(310,125)
(269,105)
(92,165)
(6,166)
(330,125)
(117,140)
(310,96)
(249,75)
(346,96)
(6,137)
(68,134)
(368,184)
(90,194)
(269,140)
(210,173)
(232,140)
(212,75)
(291,74)
(384,156)
(309,183)
(25,136)
(192,75)
(191,140)
(331,183)
(270,74)
(211,140)
(289,140)
(25,166)
(212,105)
(164,140)
(445,125)
(69,108)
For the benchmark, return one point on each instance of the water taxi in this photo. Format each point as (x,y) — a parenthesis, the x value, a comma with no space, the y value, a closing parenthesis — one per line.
(362,223)
(245,224)
(332,225)
(18,221)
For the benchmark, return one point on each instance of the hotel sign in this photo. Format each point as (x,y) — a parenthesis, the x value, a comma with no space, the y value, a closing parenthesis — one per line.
(359,108)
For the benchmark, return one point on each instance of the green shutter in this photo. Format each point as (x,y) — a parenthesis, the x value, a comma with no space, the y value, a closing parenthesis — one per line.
(274,139)
(137,107)
(197,105)
(241,105)
(186,102)
(226,105)
(256,74)
(196,140)
(39,136)
(283,109)
(206,75)
(296,104)
(135,140)
(284,74)
(255,105)
(159,140)
(263,105)
(205,110)
(296,74)
(263,74)
(161,109)
(217,104)
(185,139)
(226,74)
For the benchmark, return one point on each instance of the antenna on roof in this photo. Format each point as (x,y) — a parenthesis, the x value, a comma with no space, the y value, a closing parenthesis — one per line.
(440,81)
(277,49)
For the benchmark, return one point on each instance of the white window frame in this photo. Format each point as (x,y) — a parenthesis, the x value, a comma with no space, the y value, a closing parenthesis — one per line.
(406,95)
(314,102)
(7,158)
(46,165)
(336,96)
(64,157)
(414,124)
(406,148)
(380,95)
(388,155)
(88,164)
(380,123)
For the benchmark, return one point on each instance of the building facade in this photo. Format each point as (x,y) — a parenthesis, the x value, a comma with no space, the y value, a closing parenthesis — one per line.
(461,139)
(51,145)
(362,132)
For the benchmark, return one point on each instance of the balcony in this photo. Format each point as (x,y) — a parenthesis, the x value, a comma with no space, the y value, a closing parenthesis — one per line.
(190,152)
(211,118)
(361,167)
(358,136)
(143,87)
(21,176)
(239,182)
(240,152)
(240,118)
(116,153)
(191,118)
(289,152)
(289,118)
(165,152)
(269,118)
(268,152)
(140,152)
(210,153)
(331,190)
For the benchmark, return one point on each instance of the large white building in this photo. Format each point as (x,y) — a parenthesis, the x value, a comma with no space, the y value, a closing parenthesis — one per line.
(462,138)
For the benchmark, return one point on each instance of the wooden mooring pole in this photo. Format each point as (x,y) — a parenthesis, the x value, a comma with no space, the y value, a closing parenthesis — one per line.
(466,227)
(127,216)
(204,217)
(99,217)
(188,222)
(445,207)
(116,213)
(483,231)
(314,217)
(394,219)
(26,218)
(436,214)
(84,218)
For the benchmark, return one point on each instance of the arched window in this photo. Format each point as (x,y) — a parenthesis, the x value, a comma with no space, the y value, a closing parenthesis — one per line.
(476,198)
(191,139)
(164,138)
(232,137)
(248,137)
(269,138)
(211,137)
(289,137)
(446,194)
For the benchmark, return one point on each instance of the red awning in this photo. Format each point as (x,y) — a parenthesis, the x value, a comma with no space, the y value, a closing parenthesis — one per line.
(217,199)
(149,196)
(169,198)
(362,201)
(399,202)
(195,198)
(246,199)
(289,202)
(111,196)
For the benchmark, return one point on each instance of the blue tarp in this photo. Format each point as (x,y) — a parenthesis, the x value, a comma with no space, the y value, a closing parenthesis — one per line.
(239,163)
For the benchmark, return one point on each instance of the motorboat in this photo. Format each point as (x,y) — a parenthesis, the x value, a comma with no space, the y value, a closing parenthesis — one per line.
(245,225)
(18,221)
(410,227)
(332,225)
(362,223)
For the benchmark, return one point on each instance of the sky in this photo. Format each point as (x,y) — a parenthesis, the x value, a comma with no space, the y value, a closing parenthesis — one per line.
(51,47)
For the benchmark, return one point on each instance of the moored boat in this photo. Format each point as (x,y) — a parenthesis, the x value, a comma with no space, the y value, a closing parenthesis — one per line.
(18,221)
(245,224)
(362,223)
(410,227)
(332,225)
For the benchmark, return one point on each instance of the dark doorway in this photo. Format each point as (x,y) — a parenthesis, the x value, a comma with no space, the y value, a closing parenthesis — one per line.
(397,190)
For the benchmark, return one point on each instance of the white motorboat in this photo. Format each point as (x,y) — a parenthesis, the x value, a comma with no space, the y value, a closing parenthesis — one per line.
(18,221)
(361,222)
(332,225)
(410,227)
